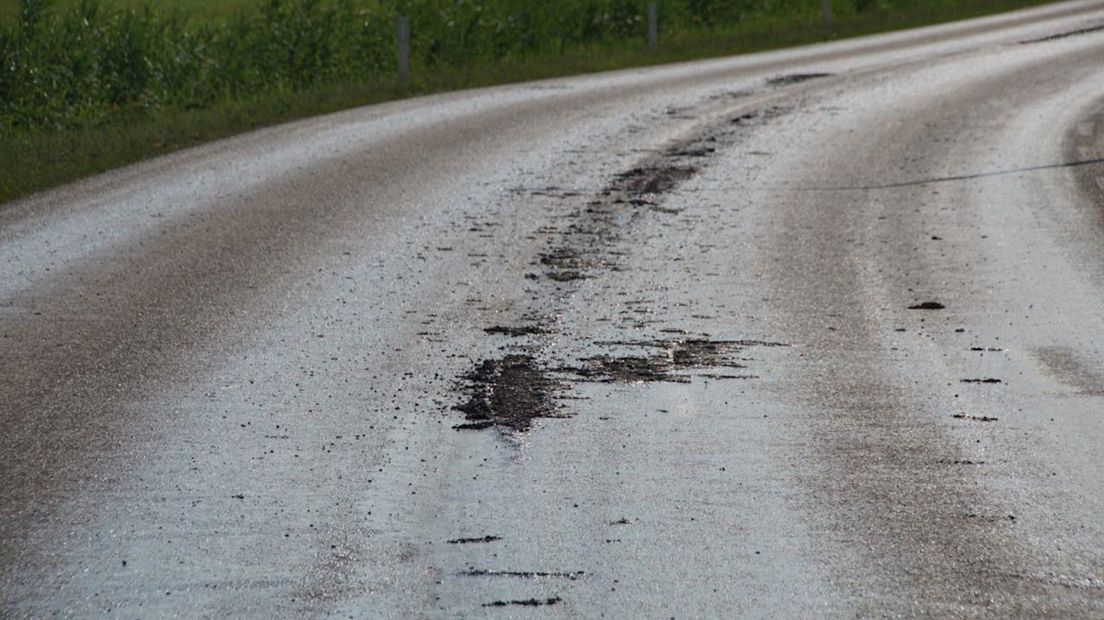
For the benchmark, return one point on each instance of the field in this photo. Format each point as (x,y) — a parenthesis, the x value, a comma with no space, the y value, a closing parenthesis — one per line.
(110,84)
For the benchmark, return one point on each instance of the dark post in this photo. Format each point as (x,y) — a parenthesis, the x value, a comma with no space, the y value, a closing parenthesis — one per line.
(403,38)
(653,25)
(827,13)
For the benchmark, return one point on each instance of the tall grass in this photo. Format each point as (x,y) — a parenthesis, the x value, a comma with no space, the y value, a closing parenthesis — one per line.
(85,63)
(72,70)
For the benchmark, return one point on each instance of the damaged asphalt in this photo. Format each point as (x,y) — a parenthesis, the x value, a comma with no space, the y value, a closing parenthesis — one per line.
(798,334)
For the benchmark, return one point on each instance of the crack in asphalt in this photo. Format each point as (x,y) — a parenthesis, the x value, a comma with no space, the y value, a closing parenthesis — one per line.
(1063,35)
(963,177)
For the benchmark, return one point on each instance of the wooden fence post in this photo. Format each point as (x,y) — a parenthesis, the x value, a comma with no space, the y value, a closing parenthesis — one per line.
(653,25)
(403,40)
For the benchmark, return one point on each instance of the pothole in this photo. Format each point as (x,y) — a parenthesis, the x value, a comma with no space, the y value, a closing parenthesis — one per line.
(795,78)
(668,361)
(511,392)
(651,180)
(508,393)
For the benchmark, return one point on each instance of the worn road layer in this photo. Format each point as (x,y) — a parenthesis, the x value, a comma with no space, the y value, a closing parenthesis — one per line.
(807,333)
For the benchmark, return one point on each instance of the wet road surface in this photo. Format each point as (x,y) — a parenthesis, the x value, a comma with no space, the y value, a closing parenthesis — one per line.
(806,333)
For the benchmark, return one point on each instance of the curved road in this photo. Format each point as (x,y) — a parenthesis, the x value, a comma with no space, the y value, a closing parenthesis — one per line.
(808,333)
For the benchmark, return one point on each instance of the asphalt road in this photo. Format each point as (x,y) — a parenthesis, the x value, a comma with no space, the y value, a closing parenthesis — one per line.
(799,334)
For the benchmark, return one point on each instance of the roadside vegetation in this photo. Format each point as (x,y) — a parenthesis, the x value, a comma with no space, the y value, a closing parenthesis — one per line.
(86,86)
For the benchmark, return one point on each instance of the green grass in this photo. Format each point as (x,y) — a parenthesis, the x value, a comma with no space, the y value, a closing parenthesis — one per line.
(125,120)
(199,9)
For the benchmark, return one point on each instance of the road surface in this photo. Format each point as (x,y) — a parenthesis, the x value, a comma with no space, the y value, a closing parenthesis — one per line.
(808,333)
